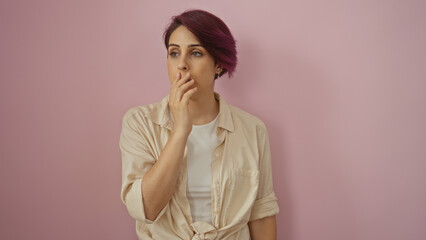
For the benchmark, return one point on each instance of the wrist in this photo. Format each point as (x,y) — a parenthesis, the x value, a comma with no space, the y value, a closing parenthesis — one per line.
(179,134)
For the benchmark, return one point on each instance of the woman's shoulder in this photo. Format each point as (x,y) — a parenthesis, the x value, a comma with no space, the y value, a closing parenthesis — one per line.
(150,111)
(135,110)
(243,117)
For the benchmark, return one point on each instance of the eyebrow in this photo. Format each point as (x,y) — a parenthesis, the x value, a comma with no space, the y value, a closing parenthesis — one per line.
(190,45)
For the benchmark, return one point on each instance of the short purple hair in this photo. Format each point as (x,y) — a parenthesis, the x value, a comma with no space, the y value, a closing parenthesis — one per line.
(212,33)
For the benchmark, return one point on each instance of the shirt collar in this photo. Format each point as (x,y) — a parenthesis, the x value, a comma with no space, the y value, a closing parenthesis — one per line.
(161,114)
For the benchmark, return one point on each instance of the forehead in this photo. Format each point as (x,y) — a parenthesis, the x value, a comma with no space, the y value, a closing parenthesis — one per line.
(183,37)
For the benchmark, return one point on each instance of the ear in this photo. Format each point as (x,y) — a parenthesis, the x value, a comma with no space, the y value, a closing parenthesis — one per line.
(219,69)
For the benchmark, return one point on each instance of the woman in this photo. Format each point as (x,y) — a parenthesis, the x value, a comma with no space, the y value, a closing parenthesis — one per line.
(195,167)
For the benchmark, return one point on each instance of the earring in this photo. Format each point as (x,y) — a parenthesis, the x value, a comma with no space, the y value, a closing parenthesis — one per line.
(216,76)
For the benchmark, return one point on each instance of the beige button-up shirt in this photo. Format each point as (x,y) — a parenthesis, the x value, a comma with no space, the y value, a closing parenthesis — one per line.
(241,175)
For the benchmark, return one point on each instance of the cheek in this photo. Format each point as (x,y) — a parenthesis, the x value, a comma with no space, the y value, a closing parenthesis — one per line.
(169,64)
(171,70)
(204,67)
(208,71)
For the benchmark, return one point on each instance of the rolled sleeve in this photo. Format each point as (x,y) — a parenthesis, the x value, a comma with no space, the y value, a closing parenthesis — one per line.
(266,203)
(134,203)
(137,159)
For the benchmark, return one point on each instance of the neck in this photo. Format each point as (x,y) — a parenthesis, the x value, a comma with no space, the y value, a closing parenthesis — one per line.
(203,108)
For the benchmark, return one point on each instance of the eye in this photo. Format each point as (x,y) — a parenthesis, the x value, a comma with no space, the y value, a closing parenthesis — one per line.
(197,54)
(173,53)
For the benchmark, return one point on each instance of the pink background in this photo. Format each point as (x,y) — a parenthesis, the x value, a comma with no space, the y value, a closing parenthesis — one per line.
(340,85)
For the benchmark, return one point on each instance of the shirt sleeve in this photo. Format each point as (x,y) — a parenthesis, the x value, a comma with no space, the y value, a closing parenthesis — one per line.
(265,204)
(137,159)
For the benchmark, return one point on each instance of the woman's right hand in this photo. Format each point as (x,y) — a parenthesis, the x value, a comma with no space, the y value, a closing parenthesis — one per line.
(180,92)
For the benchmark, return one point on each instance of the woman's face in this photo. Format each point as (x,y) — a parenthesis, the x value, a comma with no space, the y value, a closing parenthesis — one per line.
(185,54)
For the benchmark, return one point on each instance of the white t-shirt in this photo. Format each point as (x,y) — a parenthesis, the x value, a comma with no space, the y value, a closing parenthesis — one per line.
(202,141)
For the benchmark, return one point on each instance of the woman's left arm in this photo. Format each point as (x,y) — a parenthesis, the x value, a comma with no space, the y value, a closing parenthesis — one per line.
(263,229)
(262,223)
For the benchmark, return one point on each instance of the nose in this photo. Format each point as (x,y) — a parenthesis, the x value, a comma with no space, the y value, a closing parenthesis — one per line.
(183,66)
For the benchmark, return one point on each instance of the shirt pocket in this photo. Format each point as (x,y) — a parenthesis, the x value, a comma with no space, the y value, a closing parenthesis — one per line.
(240,188)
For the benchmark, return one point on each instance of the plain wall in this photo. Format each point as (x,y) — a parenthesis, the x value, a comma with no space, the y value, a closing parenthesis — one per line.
(341,86)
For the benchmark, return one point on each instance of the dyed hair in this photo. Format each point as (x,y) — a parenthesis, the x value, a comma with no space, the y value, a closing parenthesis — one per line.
(212,33)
